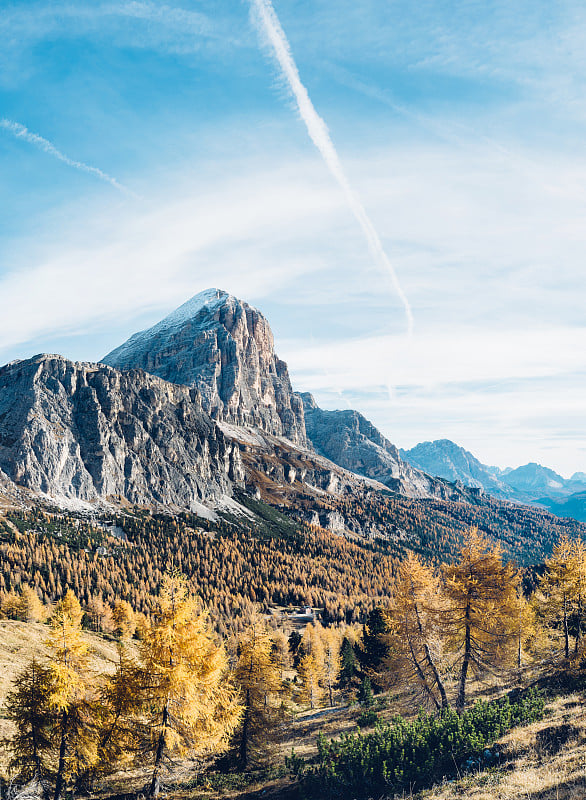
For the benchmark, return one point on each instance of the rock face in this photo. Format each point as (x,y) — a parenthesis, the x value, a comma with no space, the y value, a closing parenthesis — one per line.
(224,348)
(445,459)
(87,431)
(350,440)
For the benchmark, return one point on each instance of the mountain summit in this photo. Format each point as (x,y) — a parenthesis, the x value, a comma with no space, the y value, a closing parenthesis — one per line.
(225,348)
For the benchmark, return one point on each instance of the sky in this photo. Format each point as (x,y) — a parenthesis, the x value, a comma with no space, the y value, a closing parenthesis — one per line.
(149,151)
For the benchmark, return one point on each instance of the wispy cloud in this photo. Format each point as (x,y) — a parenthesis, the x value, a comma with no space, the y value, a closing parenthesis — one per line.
(320,136)
(22,132)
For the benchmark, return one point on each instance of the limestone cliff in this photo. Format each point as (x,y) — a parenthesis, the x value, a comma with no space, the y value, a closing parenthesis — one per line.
(87,431)
(224,348)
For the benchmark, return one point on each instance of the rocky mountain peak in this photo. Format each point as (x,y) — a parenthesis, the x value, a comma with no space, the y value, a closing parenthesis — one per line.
(225,348)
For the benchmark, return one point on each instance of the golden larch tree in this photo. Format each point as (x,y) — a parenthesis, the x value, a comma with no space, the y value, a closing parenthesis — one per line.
(480,619)
(189,703)
(558,587)
(413,619)
(259,678)
(70,695)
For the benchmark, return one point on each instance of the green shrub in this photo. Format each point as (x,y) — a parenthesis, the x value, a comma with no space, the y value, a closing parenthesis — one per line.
(367,719)
(412,755)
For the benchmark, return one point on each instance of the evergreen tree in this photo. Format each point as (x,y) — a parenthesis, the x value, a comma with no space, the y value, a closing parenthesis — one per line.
(376,646)
(28,708)
(365,695)
(348,667)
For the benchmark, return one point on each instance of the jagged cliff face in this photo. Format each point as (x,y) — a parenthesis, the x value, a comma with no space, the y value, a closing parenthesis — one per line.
(225,348)
(350,440)
(87,431)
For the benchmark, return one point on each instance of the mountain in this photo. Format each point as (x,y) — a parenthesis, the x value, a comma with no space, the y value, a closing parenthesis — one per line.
(530,483)
(347,438)
(87,432)
(224,348)
(534,479)
(448,460)
(574,505)
(81,435)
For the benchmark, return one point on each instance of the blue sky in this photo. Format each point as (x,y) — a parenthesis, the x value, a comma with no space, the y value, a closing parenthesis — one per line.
(460,127)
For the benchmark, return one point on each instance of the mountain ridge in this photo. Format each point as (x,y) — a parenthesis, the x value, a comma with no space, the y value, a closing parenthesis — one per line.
(529,483)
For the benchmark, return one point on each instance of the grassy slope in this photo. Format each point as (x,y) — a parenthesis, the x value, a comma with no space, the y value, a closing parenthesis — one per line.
(547,761)
(544,761)
(21,641)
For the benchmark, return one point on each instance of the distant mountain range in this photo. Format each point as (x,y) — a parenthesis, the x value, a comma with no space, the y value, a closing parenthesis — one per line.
(531,483)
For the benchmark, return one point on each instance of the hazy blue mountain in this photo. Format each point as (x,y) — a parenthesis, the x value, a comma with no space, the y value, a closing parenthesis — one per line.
(572,506)
(445,459)
(530,483)
(533,478)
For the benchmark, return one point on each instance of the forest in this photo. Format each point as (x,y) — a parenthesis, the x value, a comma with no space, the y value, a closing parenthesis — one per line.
(216,680)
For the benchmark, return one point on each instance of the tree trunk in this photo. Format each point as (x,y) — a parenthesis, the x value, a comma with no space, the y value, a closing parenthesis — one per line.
(59,779)
(421,673)
(566,633)
(243,750)
(156,779)
(578,627)
(431,662)
(436,677)
(461,700)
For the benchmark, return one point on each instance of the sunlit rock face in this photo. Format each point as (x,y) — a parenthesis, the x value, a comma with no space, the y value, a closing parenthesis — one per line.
(224,348)
(89,432)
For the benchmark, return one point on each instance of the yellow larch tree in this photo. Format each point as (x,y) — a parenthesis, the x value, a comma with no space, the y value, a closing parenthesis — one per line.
(258,676)
(413,620)
(479,621)
(189,702)
(331,643)
(558,587)
(123,619)
(71,694)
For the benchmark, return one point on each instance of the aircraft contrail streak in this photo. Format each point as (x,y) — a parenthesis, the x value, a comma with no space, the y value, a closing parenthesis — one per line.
(22,132)
(320,136)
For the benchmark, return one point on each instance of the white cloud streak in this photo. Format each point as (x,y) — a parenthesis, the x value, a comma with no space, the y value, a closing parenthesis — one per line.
(22,132)
(317,129)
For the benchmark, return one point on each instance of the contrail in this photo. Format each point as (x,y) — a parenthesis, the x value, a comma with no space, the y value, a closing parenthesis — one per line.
(21,132)
(320,136)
